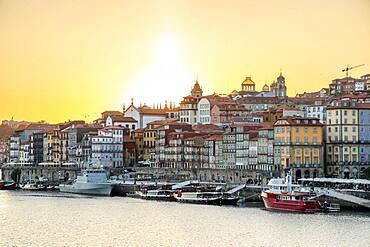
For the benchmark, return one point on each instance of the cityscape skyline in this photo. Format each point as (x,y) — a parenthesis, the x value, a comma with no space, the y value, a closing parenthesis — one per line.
(73,60)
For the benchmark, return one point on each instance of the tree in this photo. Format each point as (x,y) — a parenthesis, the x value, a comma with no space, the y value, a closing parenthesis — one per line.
(16,175)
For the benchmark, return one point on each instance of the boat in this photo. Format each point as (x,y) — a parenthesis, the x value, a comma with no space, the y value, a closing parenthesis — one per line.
(53,187)
(330,207)
(32,186)
(228,199)
(285,196)
(9,186)
(159,195)
(211,198)
(91,182)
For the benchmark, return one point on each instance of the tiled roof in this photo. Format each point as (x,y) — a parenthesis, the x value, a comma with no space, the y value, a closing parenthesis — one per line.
(111,113)
(121,118)
(150,111)
(300,121)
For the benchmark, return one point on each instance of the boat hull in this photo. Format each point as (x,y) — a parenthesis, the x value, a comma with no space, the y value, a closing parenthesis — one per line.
(271,202)
(98,189)
(230,201)
(213,201)
(10,186)
(160,198)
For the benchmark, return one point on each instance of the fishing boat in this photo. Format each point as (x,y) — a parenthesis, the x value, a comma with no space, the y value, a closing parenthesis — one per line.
(285,196)
(211,198)
(91,182)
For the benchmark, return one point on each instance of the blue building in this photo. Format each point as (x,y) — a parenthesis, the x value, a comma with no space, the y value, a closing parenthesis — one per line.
(364,136)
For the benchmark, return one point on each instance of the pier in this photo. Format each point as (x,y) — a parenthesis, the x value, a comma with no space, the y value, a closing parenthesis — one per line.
(344,199)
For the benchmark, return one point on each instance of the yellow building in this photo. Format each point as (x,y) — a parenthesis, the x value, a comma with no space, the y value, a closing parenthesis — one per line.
(299,147)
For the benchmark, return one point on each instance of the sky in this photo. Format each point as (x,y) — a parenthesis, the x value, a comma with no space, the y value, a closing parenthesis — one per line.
(64,60)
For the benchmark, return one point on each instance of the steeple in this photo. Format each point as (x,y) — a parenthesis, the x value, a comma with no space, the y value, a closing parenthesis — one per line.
(196,91)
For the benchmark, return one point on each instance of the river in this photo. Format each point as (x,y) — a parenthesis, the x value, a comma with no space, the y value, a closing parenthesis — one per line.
(57,219)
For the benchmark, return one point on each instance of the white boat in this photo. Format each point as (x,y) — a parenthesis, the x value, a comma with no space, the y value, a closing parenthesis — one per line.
(91,182)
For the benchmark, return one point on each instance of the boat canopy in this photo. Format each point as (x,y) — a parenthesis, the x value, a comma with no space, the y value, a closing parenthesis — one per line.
(335,180)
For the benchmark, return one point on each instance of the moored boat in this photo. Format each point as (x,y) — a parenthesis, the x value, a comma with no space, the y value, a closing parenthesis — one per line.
(228,199)
(91,182)
(9,186)
(159,195)
(34,187)
(285,196)
(211,198)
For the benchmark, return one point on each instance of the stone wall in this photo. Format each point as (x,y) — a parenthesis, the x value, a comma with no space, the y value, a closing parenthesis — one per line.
(53,174)
(232,176)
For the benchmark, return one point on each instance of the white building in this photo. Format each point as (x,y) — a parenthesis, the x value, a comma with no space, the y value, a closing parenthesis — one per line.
(317,111)
(128,122)
(144,114)
(107,147)
(204,111)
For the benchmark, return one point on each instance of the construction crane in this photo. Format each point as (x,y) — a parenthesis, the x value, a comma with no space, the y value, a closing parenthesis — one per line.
(351,68)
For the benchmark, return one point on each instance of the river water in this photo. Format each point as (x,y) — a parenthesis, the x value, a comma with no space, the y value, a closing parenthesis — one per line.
(57,219)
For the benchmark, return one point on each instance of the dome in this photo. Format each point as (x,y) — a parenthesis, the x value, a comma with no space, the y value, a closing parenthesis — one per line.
(265,88)
(248,81)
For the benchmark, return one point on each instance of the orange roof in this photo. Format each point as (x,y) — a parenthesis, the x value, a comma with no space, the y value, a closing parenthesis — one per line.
(150,111)
(121,118)
(111,113)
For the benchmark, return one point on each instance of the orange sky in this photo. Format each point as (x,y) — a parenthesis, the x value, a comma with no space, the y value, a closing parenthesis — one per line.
(63,60)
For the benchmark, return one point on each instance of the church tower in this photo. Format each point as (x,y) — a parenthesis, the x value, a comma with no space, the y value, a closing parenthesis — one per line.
(279,87)
(196,91)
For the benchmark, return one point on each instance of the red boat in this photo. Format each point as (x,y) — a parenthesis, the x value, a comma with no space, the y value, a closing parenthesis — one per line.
(7,185)
(284,196)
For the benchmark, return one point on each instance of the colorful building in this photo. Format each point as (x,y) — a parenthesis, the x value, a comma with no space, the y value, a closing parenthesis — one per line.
(298,146)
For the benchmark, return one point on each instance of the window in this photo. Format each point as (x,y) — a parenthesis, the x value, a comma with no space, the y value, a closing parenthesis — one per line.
(305,130)
(306,140)
(345,113)
(345,129)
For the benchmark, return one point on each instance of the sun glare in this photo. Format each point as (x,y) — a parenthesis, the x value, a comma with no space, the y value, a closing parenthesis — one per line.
(166,78)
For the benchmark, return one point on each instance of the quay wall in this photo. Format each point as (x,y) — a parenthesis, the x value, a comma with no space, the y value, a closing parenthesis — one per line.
(53,174)
(230,176)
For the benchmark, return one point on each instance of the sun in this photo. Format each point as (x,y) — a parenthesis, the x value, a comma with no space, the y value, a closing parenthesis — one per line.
(166,78)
